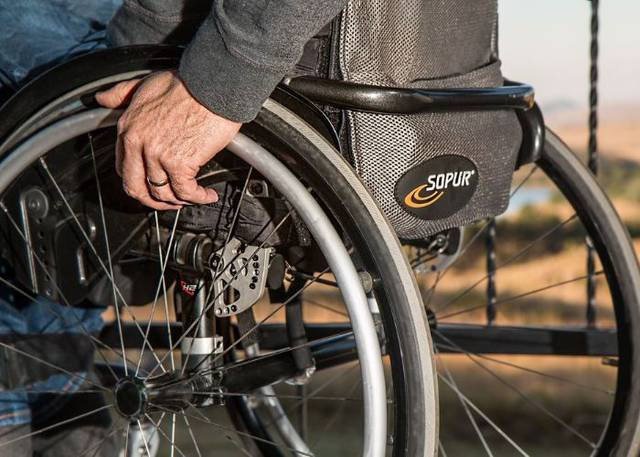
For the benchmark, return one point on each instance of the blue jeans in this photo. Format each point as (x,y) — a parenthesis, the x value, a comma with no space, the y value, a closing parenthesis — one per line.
(34,35)
(39,318)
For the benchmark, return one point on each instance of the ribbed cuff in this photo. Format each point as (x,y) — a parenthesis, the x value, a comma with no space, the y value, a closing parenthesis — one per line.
(227,84)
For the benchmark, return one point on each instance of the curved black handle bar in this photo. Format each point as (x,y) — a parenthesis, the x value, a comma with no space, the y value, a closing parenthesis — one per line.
(396,100)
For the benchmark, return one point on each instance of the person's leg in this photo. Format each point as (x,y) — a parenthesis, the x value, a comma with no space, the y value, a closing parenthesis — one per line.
(55,337)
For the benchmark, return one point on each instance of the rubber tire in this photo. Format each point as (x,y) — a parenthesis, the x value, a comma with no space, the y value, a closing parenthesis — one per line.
(615,249)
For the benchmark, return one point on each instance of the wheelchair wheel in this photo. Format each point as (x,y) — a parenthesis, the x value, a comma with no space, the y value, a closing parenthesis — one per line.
(536,342)
(192,331)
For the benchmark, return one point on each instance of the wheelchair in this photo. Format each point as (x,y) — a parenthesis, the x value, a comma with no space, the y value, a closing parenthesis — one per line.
(313,331)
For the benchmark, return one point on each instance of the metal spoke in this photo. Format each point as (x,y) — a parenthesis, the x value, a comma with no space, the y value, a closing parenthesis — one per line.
(157,426)
(327,307)
(91,246)
(520,367)
(484,416)
(534,168)
(467,411)
(193,438)
(205,419)
(144,438)
(50,365)
(164,288)
(95,448)
(126,440)
(525,397)
(57,288)
(441,449)
(314,392)
(108,249)
(510,260)
(211,301)
(173,434)
(522,295)
(161,285)
(232,228)
(336,414)
(227,435)
(58,424)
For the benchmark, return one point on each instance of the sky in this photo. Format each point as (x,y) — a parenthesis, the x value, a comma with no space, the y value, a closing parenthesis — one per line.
(546,43)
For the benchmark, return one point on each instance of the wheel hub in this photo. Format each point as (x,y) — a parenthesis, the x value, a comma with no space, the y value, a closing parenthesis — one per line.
(131,398)
(173,392)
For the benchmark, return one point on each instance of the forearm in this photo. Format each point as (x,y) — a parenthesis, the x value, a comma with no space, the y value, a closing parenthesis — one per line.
(241,50)
(244,48)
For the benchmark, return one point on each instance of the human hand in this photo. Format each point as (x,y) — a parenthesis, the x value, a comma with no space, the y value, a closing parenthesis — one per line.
(165,136)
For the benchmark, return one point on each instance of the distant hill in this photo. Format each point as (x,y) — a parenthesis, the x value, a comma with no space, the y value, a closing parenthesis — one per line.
(619,129)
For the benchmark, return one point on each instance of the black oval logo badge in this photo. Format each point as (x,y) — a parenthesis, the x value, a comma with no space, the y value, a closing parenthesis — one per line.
(437,188)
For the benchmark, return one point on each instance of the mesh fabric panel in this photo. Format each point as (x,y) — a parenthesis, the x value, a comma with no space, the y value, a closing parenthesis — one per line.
(427,44)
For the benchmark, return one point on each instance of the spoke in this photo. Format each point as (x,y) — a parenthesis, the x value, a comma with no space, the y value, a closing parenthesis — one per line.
(61,392)
(108,249)
(483,415)
(164,288)
(288,397)
(173,434)
(526,398)
(520,367)
(58,424)
(211,302)
(126,440)
(313,393)
(511,259)
(217,272)
(95,340)
(441,449)
(205,419)
(269,316)
(95,252)
(468,412)
(336,414)
(171,442)
(523,295)
(249,361)
(161,286)
(432,289)
(57,288)
(193,438)
(95,448)
(50,365)
(144,438)
(523,182)
(227,435)
(327,307)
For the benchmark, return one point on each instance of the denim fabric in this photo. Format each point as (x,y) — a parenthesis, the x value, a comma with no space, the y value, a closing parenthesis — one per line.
(37,318)
(36,33)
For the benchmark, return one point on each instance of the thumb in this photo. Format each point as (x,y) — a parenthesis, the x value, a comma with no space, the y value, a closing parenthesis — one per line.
(119,95)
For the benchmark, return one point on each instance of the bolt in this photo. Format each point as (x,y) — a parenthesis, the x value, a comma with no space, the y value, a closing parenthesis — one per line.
(256,188)
(255,258)
(234,308)
(256,265)
(252,286)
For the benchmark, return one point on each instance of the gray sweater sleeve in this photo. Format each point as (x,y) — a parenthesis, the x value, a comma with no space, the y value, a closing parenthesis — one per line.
(241,50)
(244,48)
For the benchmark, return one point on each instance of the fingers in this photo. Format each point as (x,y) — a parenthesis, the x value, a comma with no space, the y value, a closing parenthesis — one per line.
(156,174)
(134,176)
(119,95)
(186,188)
